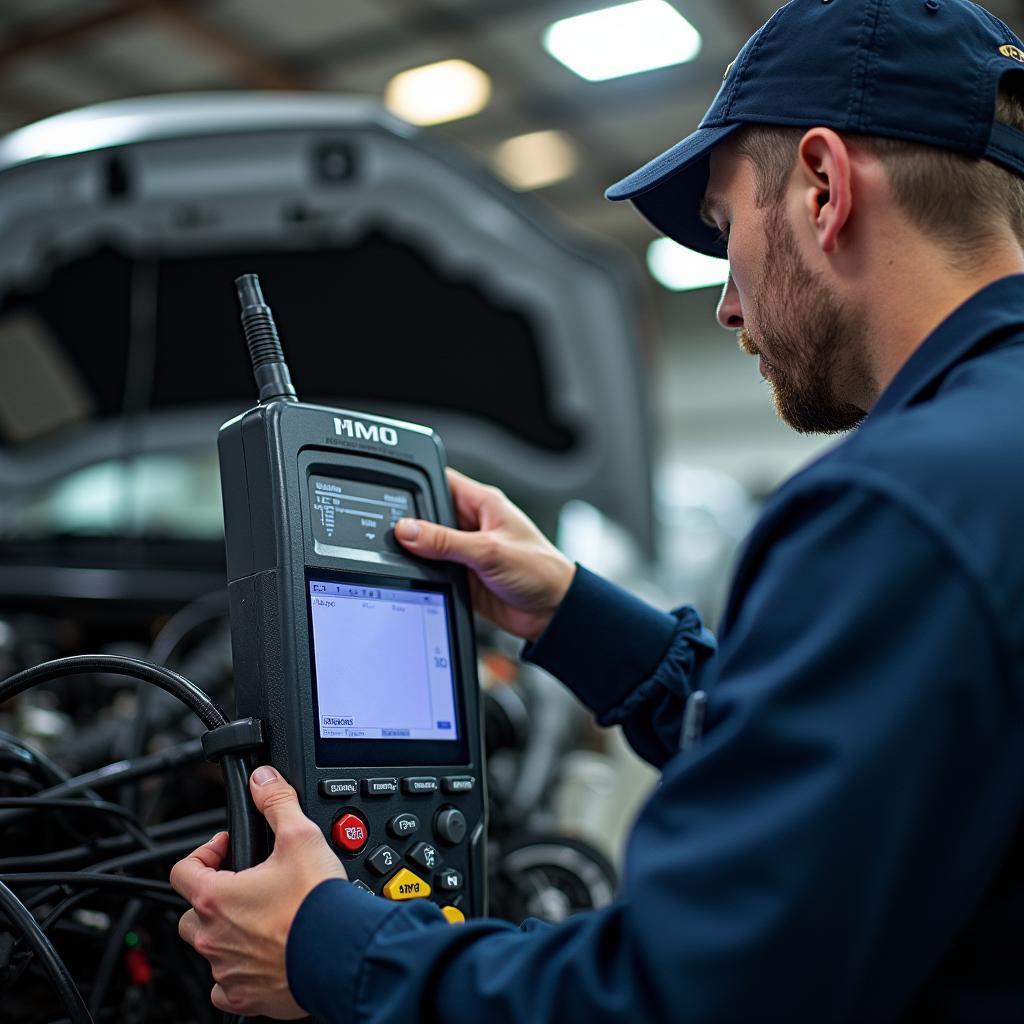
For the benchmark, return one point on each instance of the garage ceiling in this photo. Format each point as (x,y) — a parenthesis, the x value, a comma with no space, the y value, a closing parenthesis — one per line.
(60,54)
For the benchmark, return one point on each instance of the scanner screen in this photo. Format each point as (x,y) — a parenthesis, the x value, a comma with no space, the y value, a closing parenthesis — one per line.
(382,663)
(352,514)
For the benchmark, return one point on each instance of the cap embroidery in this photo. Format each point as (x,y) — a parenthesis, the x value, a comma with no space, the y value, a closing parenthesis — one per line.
(1013,52)
(727,70)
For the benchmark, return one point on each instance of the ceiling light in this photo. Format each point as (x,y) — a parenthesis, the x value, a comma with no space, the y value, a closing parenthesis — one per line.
(439,92)
(681,269)
(622,40)
(535,160)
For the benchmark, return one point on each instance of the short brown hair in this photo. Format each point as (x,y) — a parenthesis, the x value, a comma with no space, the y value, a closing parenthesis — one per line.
(958,200)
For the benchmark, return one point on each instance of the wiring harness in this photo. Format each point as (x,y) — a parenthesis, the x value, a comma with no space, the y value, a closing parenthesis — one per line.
(40,893)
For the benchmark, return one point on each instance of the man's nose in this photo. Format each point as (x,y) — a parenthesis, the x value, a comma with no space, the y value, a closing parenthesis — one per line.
(730,313)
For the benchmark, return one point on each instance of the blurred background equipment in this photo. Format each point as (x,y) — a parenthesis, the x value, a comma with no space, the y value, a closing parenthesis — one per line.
(415,285)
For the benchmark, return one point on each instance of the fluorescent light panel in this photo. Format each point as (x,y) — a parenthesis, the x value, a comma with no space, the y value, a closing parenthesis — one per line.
(680,269)
(435,93)
(535,160)
(622,40)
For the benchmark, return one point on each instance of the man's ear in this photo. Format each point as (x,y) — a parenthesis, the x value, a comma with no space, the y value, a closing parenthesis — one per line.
(824,176)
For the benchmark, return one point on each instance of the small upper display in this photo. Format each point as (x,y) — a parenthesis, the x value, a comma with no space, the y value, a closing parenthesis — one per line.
(353,514)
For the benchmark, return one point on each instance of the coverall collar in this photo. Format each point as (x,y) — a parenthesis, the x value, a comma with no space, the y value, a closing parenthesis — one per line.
(987,319)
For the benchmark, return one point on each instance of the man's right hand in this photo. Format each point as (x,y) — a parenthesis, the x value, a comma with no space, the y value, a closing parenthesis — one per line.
(517,576)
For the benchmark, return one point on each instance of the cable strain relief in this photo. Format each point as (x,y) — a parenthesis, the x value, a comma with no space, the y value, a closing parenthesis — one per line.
(233,738)
(274,381)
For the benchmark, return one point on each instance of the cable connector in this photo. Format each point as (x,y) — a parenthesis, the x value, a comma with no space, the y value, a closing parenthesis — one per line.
(236,737)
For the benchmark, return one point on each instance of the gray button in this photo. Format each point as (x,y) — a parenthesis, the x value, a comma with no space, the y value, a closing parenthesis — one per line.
(450,826)
(382,860)
(458,783)
(425,856)
(338,787)
(362,886)
(403,825)
(420,784)
(449,880)
(380,787)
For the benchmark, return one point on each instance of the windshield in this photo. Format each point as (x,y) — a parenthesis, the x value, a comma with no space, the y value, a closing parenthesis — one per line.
(167,496)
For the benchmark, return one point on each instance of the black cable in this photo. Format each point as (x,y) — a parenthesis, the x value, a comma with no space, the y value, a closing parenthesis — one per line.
(165,850)
(111,955)
(40,803)
(200,822)
(173,633)
(94,879)
(241,824)
(205,708)
(41,946)
(52,773)
(234,768)
(114,774)
(173,848)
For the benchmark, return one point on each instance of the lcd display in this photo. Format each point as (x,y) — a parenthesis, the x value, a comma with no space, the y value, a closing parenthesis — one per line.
(382,663)
(354,514)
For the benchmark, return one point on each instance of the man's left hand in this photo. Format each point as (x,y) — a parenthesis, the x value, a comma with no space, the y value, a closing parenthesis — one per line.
(240,920)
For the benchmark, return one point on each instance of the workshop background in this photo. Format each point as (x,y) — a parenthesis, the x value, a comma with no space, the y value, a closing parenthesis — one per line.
(419,184)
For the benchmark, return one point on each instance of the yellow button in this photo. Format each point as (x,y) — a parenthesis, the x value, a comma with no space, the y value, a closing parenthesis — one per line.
(454,915)
(406,886)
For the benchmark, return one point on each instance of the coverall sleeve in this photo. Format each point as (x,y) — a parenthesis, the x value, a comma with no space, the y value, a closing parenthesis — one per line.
(630,663)
(811,860)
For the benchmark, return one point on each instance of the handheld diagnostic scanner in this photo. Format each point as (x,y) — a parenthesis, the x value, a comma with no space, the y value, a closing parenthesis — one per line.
(359,658)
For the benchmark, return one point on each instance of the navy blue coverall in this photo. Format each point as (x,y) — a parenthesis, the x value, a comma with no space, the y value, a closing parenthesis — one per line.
(846,843)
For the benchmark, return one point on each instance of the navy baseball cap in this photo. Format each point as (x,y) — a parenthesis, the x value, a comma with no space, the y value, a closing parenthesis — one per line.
(925,71)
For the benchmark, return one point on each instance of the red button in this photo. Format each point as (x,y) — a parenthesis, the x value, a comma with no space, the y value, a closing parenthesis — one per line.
(350,832)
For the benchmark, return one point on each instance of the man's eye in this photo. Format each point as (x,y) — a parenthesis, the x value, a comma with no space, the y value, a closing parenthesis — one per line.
(723,235)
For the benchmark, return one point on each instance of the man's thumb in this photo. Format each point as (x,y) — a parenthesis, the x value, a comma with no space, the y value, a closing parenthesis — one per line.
(276,800)
(431,540)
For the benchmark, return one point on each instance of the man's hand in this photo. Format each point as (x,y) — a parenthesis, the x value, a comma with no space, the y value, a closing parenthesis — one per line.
(240,921)
(518,577)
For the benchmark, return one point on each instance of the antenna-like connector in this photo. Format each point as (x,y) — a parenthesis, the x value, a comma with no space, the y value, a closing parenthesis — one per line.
(268,365)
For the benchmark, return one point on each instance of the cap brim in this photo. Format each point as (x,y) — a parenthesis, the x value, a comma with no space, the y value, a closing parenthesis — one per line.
(669,190)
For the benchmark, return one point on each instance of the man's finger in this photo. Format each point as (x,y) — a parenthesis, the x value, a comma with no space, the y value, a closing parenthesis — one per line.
(187,874)
(188,926)
(279,804)
(429,540)
(469,496)
(220,999)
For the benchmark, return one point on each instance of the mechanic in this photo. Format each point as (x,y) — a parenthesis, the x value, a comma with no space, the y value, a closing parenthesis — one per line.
(846,842)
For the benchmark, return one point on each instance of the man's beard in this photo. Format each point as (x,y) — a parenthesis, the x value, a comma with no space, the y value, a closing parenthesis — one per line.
(797,321)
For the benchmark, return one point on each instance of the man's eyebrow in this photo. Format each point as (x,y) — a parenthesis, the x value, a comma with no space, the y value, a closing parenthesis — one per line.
(710,203)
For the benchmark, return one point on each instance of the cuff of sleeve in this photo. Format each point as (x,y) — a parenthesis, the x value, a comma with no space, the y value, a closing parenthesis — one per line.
(602,641)
(326,945)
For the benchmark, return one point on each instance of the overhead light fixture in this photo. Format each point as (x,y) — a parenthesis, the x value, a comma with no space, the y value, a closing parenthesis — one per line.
(535,160)
(435,93)
(680,269)
(622,40)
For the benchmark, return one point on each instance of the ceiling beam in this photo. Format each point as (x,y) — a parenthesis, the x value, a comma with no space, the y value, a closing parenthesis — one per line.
(251,68)
(34,41)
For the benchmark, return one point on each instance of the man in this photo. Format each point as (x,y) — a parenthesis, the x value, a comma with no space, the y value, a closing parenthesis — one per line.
(842,844)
